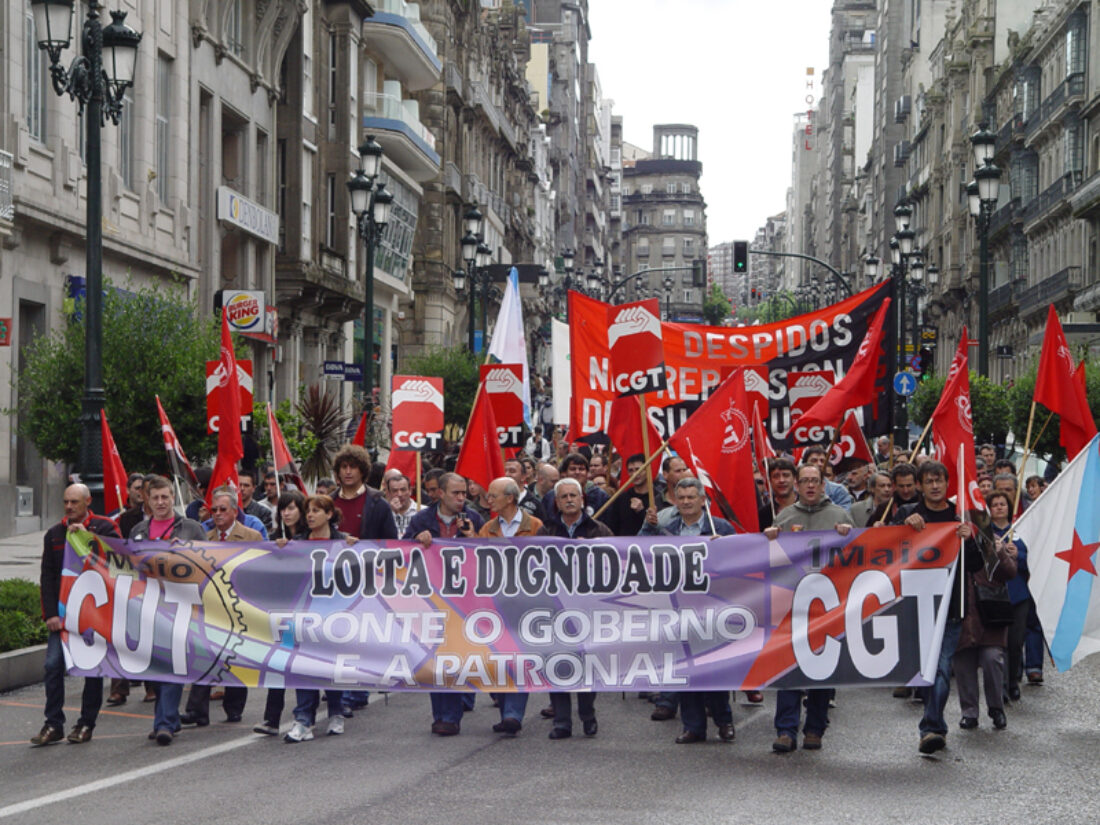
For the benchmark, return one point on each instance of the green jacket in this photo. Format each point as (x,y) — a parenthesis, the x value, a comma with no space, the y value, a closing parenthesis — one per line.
(822,516)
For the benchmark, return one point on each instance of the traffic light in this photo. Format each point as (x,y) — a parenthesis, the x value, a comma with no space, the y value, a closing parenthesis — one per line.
(927,363)
(699,272)
(740,256)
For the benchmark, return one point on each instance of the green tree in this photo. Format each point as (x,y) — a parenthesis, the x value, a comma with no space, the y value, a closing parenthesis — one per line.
(154,342)
(459,371)
(716,306)
(989,406)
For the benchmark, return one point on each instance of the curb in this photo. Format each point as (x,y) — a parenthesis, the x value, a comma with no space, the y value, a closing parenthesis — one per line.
(19,668)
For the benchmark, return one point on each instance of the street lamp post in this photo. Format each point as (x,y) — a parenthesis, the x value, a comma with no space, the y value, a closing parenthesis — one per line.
(97,80)
(371,205)
(484,258)
(669,283)
(472,224)
(987,182)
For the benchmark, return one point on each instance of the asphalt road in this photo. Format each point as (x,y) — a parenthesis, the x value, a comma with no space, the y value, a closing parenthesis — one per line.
(388,768)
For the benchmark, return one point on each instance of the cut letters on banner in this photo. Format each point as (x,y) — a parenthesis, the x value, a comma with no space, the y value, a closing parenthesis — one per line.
(807,610)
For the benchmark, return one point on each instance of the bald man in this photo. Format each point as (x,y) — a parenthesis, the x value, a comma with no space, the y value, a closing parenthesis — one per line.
(78,516)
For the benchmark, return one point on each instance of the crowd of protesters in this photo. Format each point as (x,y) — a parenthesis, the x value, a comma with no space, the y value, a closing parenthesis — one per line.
(553,488)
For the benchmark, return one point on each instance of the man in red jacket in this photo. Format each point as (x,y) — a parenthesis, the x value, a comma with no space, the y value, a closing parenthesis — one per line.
(78,516)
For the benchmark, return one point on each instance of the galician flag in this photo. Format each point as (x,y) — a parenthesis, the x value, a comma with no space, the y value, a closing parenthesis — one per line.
(1062,533)
(508,344)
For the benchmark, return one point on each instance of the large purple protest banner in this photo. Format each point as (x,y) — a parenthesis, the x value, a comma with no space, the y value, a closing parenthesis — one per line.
(807,610)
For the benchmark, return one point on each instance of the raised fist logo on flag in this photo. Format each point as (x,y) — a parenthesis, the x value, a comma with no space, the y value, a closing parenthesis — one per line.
(420,391)
(503,381)
(633,320)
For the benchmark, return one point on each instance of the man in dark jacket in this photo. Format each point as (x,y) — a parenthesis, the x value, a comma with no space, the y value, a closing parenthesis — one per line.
(626,514)
(364,511)
(78,516)
(448,518)
(934,507)
(164,524)
(571,521)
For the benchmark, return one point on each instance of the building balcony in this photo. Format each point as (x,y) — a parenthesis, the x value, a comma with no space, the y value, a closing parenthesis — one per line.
(1002,300)
(1085,201)
(7,208)
(1051,197)
(483,101)
(452,79)
(1088,299)
(323,286)
(404,138)
(396,33)
(452,178)
(1064,284)
(1003,217)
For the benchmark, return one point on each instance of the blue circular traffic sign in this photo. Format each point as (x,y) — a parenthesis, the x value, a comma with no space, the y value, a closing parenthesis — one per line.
(905,383)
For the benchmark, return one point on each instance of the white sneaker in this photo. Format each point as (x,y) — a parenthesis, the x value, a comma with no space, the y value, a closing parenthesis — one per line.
(335,725)
(298,733)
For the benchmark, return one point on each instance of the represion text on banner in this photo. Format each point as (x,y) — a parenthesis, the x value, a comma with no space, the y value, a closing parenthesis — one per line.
(739,612)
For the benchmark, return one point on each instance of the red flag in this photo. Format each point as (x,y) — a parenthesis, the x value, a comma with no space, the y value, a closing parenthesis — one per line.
(624,428)
(228,396)
(851,443)
(479,458)
(1058,388)
(762,444)
(857,387)
(114,474)
(178,464)
(284,463)
(404,461)
(719,431)
(952,430)
(360,437)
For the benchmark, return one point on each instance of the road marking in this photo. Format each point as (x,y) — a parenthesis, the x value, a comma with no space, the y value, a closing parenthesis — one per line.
(77,710)
(128,776)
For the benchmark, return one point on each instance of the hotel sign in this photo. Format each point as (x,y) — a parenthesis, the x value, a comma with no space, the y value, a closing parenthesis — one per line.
(236,209)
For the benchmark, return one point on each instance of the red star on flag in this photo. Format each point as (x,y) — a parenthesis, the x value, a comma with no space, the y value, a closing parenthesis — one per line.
(1079,556)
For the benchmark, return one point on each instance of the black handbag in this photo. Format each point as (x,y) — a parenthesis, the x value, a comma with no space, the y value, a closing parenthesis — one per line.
(994,606)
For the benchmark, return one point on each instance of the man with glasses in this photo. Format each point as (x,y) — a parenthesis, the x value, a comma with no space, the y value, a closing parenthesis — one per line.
(812,511)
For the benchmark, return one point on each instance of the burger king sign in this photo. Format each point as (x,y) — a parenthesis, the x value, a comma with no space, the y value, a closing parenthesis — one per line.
(244,309)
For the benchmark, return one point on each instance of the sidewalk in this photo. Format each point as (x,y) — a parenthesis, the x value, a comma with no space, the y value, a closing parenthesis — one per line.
(21,556)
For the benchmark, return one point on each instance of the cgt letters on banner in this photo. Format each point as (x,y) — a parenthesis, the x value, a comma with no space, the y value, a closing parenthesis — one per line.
(738,612)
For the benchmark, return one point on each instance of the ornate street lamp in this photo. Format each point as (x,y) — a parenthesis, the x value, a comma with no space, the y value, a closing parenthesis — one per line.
(371,205)
(97,79)
(870,268)
(982,194)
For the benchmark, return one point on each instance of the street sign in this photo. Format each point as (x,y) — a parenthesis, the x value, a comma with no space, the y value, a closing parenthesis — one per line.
(333,369)
(905,383)
(353,372)
(914,362)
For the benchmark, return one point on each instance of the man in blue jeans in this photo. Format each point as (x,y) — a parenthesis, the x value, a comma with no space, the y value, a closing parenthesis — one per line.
(78,516)
(934,507)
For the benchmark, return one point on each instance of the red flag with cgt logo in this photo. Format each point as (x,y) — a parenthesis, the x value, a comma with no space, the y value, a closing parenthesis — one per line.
(637,349)
(953,430)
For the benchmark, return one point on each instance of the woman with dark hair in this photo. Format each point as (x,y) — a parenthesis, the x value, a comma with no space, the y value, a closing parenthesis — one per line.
(982,640)
(289,517)
(289,522)
(1000,509)
(321,518)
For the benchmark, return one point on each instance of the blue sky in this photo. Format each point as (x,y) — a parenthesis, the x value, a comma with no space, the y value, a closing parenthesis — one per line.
(734,68)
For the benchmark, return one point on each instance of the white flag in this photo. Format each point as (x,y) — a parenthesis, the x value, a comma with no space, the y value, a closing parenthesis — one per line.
(508,344)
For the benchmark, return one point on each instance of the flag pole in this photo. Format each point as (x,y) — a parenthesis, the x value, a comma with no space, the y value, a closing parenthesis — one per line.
(645,444)
(630,481)
(419,472)
(274,462)
(962,495)
(1028,446)
(923,435)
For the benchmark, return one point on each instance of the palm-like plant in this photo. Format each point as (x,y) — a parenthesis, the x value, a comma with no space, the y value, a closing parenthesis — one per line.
(324,420)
